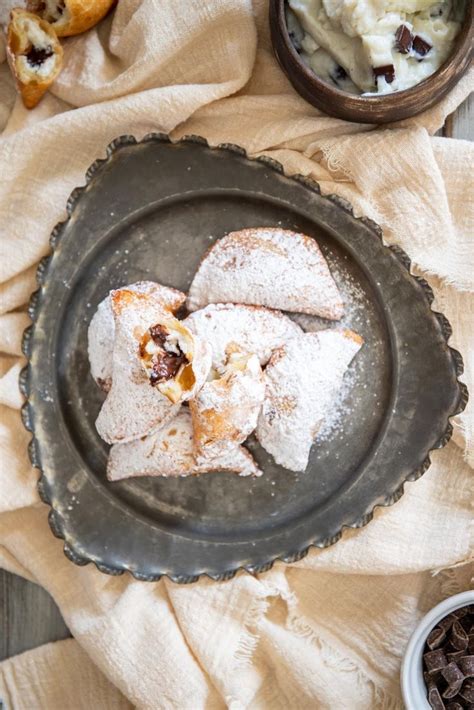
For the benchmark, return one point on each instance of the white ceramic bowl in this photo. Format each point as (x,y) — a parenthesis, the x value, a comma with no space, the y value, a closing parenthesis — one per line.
(413,686)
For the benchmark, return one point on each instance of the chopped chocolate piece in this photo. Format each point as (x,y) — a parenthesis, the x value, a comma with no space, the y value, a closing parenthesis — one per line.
(36,57)
(458,639)
(403,39)
(455,656)
(421,46)
(158,334)
(435,660)
(447,622)
(435,700)
(454,677)
(470,644)
(166,367)
(467,691)
(430,679)
(436,638)
(387,71)
(454,706)
(466,665)
(459,613)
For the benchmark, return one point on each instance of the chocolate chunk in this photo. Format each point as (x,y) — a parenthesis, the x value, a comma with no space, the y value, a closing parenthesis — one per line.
(36,56)
(459,613)
(430,679)
(158,334)
(458,639)
(467,691)
(454,706)
(435,700)
(470,645)
(421,46)
(403,39)
(466,665)
(455,656)
(447,622)
(435,661)
(436,638)
(387,71)
(166,367)
(454,677)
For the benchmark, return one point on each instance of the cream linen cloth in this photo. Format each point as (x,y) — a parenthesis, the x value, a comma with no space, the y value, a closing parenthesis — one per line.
(329,631)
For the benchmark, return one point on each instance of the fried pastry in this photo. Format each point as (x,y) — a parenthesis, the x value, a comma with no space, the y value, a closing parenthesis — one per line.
(71,17)
(233,328)
(34,54)
(302,380)
(101,333)
(169,452)
(225,410)
(157,364)
(269,267)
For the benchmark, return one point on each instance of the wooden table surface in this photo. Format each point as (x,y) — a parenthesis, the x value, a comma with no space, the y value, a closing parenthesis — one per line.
(28,615)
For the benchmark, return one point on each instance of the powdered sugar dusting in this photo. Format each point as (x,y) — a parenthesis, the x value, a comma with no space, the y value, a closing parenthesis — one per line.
(271,267)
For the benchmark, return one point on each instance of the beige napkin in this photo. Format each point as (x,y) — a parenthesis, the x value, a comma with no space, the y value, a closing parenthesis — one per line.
(329,631)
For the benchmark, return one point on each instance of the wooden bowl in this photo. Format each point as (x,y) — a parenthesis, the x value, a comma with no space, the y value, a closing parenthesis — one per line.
(370,109)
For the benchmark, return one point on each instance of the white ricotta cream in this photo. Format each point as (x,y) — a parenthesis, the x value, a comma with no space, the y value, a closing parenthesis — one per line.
(374,46)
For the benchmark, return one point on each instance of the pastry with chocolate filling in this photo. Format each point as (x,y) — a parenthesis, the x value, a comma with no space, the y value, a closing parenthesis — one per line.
(101,333)
(302,380)
(225,410)
(232,327)
(71,17)
(269,267)
(169,452)
(157,363)
(34,54)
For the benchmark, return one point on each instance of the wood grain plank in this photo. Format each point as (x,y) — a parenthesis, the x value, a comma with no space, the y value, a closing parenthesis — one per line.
(463,120)
(28,616)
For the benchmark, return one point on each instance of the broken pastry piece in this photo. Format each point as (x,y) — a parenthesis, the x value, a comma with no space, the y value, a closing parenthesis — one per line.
(302,380)
(157,364)
(225,410)
(71,17)
(101,333)
(232,328)
(269,267)
(34,54)
(169,452)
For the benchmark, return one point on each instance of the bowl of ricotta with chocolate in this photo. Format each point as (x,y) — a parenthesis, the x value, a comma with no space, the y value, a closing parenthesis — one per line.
(372,60)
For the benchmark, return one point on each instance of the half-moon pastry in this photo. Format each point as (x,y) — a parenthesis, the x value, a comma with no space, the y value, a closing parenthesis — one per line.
(270,267)
(302,380)
(233,328)
(226,409)
(71,17)
(157,364)
(101,333)
(169,452)
(34,54)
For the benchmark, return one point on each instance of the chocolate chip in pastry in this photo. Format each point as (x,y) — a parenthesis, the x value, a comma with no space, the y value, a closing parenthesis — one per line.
(226,409)
(71,17)
(269,267)
(301,382)
(34,54)
(137,404)
(233,327)
(101,333)
(169,452)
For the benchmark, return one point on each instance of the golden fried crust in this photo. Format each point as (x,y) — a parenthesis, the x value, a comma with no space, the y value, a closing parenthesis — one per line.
(78,15)
(31,87)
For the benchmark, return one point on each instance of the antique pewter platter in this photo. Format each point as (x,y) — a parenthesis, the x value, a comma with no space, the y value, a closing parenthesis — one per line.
(149,211)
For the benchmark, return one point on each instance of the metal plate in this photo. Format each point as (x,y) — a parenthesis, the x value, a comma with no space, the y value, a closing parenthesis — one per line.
(150,210)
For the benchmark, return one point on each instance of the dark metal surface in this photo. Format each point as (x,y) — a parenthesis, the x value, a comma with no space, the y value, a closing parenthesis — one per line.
(149,211)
